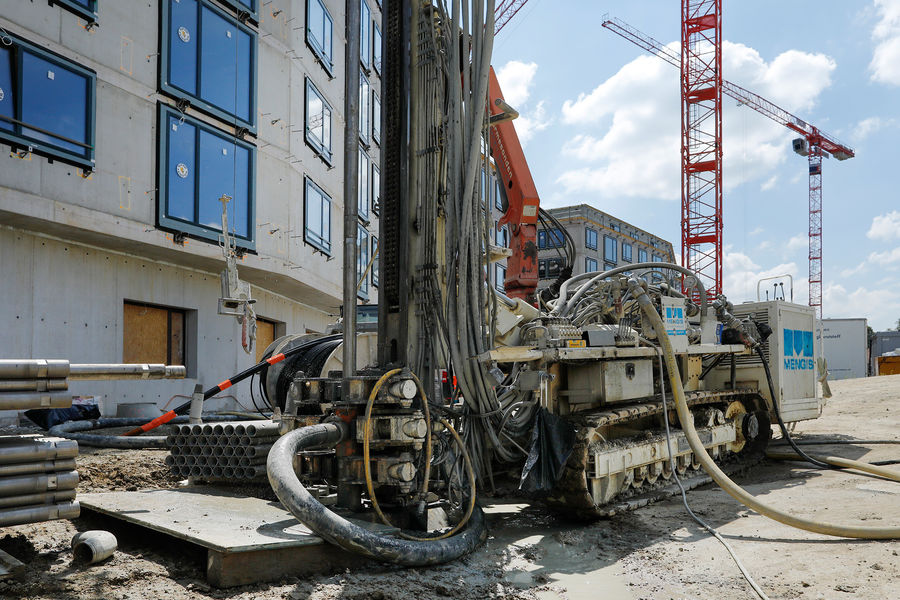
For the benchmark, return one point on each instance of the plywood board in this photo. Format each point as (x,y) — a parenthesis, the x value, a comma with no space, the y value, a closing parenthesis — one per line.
(145,334)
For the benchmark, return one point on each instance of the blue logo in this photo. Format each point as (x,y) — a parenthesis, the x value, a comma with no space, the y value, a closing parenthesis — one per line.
(798,350)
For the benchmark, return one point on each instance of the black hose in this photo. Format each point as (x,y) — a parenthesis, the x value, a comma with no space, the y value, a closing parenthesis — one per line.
(72,430)
(784,431)
(340,531)
(839,442)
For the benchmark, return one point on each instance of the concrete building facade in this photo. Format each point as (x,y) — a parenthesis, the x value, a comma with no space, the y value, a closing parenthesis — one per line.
(602,242)
(122,124)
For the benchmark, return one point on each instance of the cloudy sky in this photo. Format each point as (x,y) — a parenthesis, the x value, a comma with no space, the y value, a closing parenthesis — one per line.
(601,124)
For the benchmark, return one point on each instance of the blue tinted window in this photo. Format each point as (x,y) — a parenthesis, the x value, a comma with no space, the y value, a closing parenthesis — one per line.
(364,113)
(363,190)
(317,217)
(642,255)
(362,260)
(376,48)
(375,262)
(318,121)
(86,9)
(590,238)
(610,249)
(46,103)
(365,29)
(244,7)
(319,27)
(626,252)
(210,60)
(198,166)
(590,265)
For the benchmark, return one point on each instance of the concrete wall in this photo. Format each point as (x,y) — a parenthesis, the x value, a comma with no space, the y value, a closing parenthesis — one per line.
(75,246)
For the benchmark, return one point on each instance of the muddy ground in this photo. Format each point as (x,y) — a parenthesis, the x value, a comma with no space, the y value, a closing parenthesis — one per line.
(656,552)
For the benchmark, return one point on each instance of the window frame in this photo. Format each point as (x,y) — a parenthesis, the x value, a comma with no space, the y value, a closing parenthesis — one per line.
(241,9)
(325,153)
(587,238)
(612,257)
(16,139)
(326,59)
(373,274)
(500,280)
(376,118)
(376,48)
(375,196)
(627,256)
(587,264)
(362,260)
(88,14)
(319,245)
(197,102)
(363,203)
(365,35)
(193,229)
(365,115)
(186,361)
(642,252)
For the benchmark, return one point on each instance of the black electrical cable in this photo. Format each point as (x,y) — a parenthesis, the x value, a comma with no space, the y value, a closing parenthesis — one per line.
(784,431)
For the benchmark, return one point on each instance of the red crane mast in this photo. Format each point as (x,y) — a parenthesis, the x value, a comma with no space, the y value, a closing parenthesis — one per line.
(813,143)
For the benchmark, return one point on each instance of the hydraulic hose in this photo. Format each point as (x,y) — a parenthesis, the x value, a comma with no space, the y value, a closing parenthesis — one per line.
(221,387)
(76,430)
(734,490)
(340,531)
(842,463)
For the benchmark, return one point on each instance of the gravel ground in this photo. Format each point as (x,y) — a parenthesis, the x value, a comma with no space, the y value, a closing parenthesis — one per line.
(653,553)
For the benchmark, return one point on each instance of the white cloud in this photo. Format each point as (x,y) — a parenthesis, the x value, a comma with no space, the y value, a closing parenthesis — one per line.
(885,227)
(629,125)
(885,65)
(742,276)
(757,231)
(798,242)
(889,259)
(881,306)
(516,79)
(871,125)
(769,184)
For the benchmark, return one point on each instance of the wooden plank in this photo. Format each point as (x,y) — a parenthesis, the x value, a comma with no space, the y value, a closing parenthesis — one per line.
(265,335)
(145,334)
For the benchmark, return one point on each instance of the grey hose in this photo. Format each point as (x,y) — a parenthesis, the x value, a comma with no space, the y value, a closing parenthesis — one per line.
(340,531)
(73,430)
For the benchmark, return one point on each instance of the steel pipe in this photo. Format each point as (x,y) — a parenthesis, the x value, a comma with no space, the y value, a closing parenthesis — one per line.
(126,371)
(33,368)
(28,400)
(36,514)
(16,450)
(38,484)
(33,385)
(42,498)
(267,429)
(47,466)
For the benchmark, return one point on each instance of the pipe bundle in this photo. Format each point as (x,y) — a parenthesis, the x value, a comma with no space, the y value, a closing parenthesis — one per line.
(222,451)
(37,479)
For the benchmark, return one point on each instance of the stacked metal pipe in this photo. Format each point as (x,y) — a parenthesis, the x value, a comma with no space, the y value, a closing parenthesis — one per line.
(37,479)
(222,451)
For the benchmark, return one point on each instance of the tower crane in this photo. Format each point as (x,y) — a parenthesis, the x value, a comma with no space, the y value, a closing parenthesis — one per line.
(813,143)
(504,11)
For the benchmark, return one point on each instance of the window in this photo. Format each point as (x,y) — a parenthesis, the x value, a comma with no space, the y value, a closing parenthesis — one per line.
(46,103)
(498,193)
(198,166)
(610,246)
(318,122)
(376,48)
(376,189)
(245,7)
(657,258)
(317,217)
(615,226)
(375,262)
(376,118)
(590,238)
(153,334)
(86,9)
(642,255)
(554,266)
(542,269)
(590,265)
(626,252)
(365,34)
(551,238)
(503,236)
(542,239)
(500,277)
(608,265)
(364,109)
(209,60)
(362,261)
(362,204)
(319,27)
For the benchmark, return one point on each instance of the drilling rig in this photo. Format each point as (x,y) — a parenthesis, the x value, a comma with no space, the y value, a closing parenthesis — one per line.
(570,400)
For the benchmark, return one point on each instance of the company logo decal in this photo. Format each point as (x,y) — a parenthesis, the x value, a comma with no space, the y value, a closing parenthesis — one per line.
(798,350)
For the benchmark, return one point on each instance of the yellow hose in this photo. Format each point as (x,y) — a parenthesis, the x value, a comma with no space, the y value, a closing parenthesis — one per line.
(367,467)
(844,463)
(734,490)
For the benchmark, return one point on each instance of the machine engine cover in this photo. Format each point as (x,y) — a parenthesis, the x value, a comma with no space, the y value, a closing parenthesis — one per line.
(610,381)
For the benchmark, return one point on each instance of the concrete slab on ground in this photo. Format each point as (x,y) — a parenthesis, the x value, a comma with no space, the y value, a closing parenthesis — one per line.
(248,540)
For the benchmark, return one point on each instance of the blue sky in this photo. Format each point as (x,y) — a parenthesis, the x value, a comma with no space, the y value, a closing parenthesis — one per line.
(600,120)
